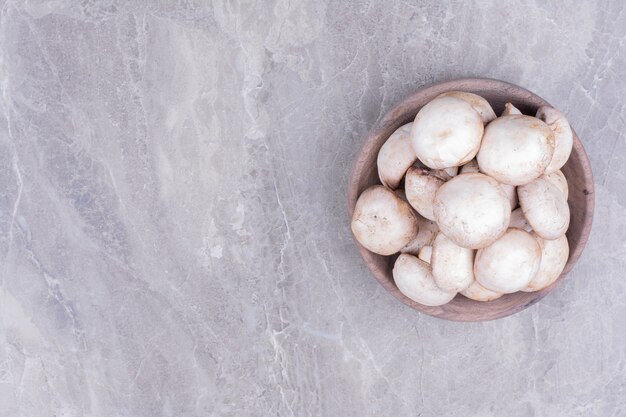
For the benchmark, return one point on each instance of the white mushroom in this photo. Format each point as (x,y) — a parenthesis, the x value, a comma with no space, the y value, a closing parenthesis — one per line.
(396,156)
(509,263)
(414,278)
(545,208)
(554,255)
(563,136)
(446,132)
(428,230)
(516,149)
(510,109)
(382,222)
(471,166)
(420,186)
(453,265)
(518,220)
(425,253)
(477,102)
(472,210)
(477,292)
(511,194)
(557,178)
(509,190)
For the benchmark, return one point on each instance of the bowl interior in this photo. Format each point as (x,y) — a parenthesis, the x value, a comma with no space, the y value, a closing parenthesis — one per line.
(577,171)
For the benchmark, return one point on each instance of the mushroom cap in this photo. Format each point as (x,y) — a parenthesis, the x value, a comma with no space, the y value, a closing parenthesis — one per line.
(509,263)
(472,210)
(414,278)
(382,222)
(471,166)
(563,136)
(510,109)
(446,132)
(516,149)
(428,230)
(420,187)
(477,102)
(425,253)
(453,265)
(396,156)
(518,220)
(545,208)
(557,178)
(554,255)
(477,292)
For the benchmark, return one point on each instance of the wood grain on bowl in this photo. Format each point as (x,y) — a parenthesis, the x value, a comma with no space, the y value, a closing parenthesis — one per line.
(577,170)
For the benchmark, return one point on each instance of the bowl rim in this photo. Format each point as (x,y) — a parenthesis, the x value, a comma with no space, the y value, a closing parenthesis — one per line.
(368,144)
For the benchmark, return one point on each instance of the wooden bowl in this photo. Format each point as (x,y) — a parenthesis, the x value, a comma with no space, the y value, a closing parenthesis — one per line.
(577,170)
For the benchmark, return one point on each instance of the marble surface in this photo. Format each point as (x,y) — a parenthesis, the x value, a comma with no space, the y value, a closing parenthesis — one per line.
(173,230)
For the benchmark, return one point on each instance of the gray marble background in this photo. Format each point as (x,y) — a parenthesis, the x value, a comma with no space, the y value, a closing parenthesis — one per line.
(173,230)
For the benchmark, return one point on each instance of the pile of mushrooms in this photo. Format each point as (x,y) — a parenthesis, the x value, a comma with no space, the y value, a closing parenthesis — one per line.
(475,204)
